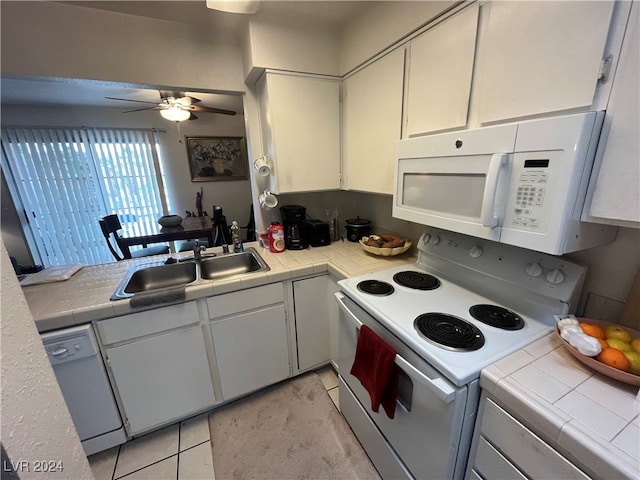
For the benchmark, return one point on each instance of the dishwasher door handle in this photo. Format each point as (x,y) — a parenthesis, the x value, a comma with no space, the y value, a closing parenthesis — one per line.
(438,385)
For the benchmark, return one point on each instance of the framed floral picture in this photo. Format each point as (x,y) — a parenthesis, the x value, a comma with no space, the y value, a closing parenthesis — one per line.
(217,158)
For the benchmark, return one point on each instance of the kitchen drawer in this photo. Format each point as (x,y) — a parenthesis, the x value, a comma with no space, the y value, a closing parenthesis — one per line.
(244,300)
(490,463)
(523,448)
(128,327)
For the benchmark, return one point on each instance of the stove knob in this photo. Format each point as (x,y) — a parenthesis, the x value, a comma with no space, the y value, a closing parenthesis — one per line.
(476,251)
(555,276)
(534,269)
(435,240)
(425,238)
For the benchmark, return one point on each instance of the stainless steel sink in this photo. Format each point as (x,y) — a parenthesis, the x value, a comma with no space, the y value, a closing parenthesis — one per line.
(157,276)
(232,264)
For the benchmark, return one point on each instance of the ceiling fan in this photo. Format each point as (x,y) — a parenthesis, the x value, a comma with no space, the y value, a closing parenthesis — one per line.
(176,106)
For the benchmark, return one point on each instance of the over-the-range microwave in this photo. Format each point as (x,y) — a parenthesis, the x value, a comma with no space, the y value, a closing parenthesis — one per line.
(522,183)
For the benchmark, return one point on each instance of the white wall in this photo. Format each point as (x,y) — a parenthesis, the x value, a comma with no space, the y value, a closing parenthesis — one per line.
(36,424)
(60,40)
(233,196)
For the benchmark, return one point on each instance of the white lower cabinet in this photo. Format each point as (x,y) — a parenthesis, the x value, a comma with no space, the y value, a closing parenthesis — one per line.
(312,314)
(159,365)
(505,448)
(249,333)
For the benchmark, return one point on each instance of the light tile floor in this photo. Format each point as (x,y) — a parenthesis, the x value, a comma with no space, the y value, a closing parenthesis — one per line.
(181,451)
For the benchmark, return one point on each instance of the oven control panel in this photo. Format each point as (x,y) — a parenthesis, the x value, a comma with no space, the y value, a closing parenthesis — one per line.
(535,271)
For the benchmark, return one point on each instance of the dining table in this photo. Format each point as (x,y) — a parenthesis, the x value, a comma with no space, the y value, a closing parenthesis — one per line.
(191,228)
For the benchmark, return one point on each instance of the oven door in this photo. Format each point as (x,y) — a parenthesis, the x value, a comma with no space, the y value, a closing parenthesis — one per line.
(431,412)
(456,181)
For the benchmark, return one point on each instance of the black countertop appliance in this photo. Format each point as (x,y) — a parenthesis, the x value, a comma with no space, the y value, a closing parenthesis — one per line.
(296,228)
(357,228)
(319,233)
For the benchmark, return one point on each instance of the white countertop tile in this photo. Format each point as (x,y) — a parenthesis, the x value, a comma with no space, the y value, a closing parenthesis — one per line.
(538,381)
(602,421)
(612,395)
(628,440)
(554,365)
(514,362)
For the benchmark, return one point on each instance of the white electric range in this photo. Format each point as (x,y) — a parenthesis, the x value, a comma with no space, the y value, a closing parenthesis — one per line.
(465,304)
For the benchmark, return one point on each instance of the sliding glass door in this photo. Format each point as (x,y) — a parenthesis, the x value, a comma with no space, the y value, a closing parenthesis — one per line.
(65,179)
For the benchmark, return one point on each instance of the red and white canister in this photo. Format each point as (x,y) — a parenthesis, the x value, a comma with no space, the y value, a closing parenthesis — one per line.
(276,237)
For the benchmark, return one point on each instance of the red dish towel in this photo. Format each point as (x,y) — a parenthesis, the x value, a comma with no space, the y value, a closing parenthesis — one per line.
(375,368)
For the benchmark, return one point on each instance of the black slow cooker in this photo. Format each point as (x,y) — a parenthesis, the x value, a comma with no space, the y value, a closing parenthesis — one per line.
(357,228)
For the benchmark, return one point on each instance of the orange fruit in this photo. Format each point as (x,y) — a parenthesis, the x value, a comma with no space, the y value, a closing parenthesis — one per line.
(603,343)
(614,358)
(592,330)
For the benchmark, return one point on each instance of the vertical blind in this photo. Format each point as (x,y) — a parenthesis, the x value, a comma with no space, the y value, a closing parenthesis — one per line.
(66,179)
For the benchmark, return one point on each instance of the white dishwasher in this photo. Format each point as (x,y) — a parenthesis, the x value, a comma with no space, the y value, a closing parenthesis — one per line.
(76,361)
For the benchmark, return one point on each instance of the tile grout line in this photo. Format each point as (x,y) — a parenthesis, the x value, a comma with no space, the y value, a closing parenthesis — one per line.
(115,465)
(146,466)
(178,459)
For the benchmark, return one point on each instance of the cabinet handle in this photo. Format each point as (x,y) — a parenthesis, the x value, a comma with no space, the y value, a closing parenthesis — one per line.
(59,352)
(488,213)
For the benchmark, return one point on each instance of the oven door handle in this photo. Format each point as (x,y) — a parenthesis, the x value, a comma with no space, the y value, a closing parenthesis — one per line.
(438,385)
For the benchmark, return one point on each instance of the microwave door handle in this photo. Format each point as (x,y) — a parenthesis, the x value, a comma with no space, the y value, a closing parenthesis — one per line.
(439,386)
(487,215)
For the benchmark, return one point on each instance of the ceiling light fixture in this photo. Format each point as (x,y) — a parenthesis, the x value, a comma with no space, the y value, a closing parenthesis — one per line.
(175,114)
(235,6)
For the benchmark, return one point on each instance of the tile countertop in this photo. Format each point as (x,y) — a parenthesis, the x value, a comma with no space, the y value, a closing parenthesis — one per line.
(591,419)
(85,296)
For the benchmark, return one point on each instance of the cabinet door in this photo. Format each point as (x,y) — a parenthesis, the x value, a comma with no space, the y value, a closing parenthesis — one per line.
(301,129)
(537,57)
(312,321)
(251,350)
(372,116)
(162,378)
(616,191)
(440,72)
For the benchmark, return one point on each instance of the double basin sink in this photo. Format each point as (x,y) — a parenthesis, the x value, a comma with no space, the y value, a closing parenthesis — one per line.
(159,276)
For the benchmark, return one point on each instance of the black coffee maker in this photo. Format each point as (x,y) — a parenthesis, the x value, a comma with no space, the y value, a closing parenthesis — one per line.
(296,231)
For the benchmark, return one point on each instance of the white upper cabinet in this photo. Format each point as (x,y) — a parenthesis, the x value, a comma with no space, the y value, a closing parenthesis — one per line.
(539,57)
(440,73)
(614,195)
(300,120)
(372,121)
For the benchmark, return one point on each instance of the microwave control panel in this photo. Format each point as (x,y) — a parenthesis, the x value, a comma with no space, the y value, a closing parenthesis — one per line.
(531,193)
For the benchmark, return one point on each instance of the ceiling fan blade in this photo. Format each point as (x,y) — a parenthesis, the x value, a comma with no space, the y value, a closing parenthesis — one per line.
(146,108)
(199,108)
(192,117)
(129,100)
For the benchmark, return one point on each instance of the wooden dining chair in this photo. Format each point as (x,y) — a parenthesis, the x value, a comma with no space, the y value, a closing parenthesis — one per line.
(110,226)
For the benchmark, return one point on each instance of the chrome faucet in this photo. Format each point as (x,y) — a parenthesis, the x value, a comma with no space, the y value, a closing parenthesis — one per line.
(198,249)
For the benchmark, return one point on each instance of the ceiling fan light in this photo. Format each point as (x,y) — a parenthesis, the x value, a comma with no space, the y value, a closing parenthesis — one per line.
(235,6)
(175,114)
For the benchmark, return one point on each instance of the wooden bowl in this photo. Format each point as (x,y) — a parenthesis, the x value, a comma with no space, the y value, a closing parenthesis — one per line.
(600,367)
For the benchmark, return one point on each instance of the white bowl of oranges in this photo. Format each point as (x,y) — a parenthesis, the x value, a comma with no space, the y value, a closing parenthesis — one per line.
(619,356)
